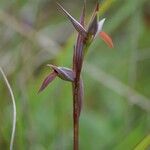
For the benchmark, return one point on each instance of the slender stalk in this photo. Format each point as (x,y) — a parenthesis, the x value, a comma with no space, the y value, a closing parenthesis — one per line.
(75,115)
(14,109)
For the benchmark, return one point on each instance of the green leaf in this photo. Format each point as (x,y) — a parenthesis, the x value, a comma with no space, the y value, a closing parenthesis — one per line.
(144,144)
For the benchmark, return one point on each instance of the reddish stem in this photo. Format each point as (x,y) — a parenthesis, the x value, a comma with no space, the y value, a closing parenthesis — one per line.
(75,115)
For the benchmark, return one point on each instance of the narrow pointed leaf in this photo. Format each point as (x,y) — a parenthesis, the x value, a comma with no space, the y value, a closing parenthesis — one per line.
(48,80)
(107,39)
(64,73)
(97,6)
(75,23)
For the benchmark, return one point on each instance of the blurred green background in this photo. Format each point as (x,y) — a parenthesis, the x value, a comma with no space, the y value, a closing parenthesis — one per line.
(116,111)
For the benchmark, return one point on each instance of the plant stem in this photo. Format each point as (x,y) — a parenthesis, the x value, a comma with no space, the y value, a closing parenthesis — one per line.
(76,115)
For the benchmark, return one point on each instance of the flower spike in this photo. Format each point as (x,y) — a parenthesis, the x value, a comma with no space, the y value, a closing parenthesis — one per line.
(84,39)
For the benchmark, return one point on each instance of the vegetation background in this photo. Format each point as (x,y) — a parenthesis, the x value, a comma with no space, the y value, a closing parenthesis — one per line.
(116,108)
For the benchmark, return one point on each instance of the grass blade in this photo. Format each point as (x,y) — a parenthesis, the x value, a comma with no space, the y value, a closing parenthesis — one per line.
(14,108)
(144,144)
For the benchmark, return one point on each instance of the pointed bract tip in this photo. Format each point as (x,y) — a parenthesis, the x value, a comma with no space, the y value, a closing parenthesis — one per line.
(84,5)
(97,6)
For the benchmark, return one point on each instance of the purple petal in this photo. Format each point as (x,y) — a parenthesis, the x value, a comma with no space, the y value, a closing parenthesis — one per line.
(93,25)
(64,73)
(75,23)
(96,9)
(48,80)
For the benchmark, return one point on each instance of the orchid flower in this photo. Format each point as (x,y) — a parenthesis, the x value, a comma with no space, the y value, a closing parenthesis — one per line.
(94,28)
(84,39)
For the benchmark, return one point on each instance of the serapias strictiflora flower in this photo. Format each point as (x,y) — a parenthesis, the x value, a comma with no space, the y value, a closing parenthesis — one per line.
(84,39)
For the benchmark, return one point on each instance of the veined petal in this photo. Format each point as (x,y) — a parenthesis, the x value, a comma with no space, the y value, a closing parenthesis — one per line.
(64,73)
(93,27)
(48,80)
(75,23)
(107,39)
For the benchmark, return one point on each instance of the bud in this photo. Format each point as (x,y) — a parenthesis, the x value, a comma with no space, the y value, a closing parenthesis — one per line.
(63,72)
